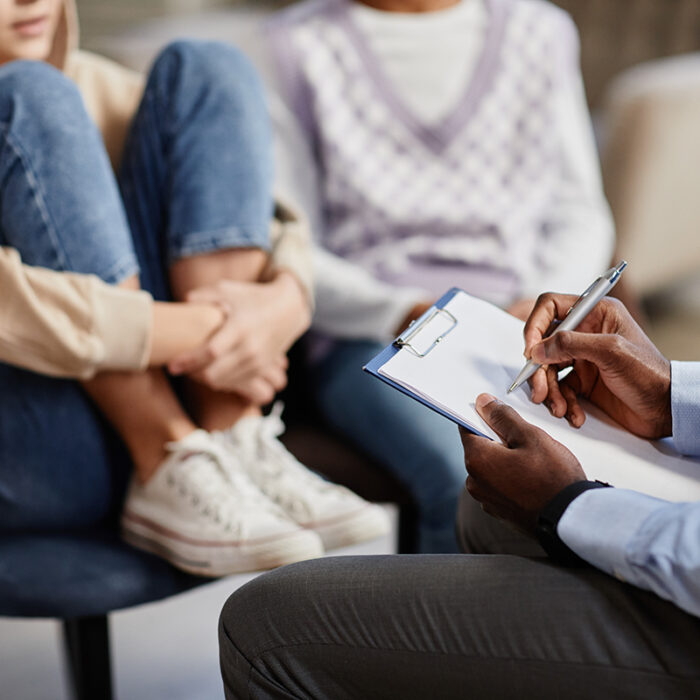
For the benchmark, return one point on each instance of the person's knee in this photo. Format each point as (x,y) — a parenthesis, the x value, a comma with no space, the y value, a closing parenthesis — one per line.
(37,92)
(249,620)
(248,608)
(190,64)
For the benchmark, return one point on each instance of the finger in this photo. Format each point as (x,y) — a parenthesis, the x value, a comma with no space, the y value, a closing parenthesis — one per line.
(571,389)
(276,377)
(574,413)
(191,362)
(258,391)
(538,385)
(548,308)
(504,420)
(492,502)
(555,401)
(224,342)
(567,346)
(473,489)
(480,453)
(227,374)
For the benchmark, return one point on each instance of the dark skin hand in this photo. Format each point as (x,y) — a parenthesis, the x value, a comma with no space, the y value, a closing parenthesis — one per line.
(515,480)
(615,366)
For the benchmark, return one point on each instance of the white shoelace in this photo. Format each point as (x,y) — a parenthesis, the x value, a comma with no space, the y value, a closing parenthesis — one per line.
(276,459)
(215,492)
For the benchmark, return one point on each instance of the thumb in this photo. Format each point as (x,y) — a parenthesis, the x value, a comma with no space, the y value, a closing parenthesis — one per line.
(192,361)
(504,420)
(199,358)
(567,346)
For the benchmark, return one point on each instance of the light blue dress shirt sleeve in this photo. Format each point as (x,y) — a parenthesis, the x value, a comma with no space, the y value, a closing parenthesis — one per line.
(685,406)
(650,543)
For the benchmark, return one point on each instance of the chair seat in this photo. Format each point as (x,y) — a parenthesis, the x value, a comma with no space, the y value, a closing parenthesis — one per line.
(81,575)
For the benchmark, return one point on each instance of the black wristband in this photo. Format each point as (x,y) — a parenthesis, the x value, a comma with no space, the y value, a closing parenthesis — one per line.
(550,516)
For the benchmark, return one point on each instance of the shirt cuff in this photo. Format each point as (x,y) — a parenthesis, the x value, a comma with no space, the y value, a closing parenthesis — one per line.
(551,514)
(685,406)
(599,525)
(123,325)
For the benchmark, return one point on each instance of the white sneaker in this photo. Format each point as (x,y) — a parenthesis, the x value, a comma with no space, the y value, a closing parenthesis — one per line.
(338,515)
(203,514)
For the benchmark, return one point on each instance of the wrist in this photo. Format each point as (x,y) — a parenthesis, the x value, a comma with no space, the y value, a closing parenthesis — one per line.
(179,328)
(290,295)
(666,423)
(551,514)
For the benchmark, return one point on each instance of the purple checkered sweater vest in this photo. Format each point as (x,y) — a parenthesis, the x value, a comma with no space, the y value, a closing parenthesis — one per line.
(463,201)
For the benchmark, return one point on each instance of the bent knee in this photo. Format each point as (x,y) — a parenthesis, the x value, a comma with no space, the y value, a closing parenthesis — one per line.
(210,63)
(37,90)
(248,618)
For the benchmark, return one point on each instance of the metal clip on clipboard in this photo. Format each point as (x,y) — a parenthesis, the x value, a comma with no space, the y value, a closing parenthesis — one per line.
(404,340)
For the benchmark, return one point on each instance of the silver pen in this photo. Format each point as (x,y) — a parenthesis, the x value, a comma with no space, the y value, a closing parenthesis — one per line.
(581,308)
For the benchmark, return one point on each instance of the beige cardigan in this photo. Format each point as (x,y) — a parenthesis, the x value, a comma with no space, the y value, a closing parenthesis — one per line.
(71,325)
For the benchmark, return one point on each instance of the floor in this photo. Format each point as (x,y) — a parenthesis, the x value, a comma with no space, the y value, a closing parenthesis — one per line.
(164,651)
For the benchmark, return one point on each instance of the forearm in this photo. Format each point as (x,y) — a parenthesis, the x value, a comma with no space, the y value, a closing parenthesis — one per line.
(179,328)
(641,540)
(290,303)
(69,325)
(350,303)
(685,406)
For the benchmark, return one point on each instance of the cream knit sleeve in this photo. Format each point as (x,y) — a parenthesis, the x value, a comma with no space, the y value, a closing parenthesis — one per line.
(69,325)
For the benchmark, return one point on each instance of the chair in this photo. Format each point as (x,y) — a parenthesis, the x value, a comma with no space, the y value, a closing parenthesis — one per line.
(80,578)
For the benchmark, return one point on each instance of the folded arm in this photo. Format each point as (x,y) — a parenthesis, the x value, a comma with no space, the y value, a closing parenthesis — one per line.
(70,325)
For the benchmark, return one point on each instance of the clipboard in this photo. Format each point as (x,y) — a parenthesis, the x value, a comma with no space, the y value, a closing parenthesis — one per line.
(476,349)
(404,342)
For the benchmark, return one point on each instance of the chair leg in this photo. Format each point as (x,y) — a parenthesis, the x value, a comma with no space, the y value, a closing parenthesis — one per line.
(87,648)
(408,530)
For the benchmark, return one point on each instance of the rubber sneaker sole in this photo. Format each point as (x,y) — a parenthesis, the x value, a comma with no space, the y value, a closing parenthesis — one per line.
(361,525)
(215,559)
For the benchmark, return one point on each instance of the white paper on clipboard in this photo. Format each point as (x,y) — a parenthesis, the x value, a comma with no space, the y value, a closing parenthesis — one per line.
(483,353)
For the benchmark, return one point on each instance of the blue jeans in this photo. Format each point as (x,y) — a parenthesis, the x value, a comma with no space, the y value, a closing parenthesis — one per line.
(196,177)
(419,447)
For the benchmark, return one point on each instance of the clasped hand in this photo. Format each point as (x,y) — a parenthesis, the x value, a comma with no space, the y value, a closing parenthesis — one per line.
(247,354)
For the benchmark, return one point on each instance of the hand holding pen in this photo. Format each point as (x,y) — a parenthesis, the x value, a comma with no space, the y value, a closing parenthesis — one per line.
(615,366)
(573,317)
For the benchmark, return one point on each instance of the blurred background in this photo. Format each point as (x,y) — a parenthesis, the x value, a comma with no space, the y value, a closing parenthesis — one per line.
(642,76)
(642,79)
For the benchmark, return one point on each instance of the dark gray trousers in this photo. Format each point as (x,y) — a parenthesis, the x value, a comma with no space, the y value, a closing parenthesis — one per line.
(454,626)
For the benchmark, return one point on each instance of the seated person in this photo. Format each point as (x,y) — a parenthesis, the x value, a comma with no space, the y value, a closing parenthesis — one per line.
(432,144)
(213,489)
(504,626)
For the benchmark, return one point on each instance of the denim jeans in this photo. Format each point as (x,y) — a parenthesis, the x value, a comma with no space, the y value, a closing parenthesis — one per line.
(196,177)
(421,448)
